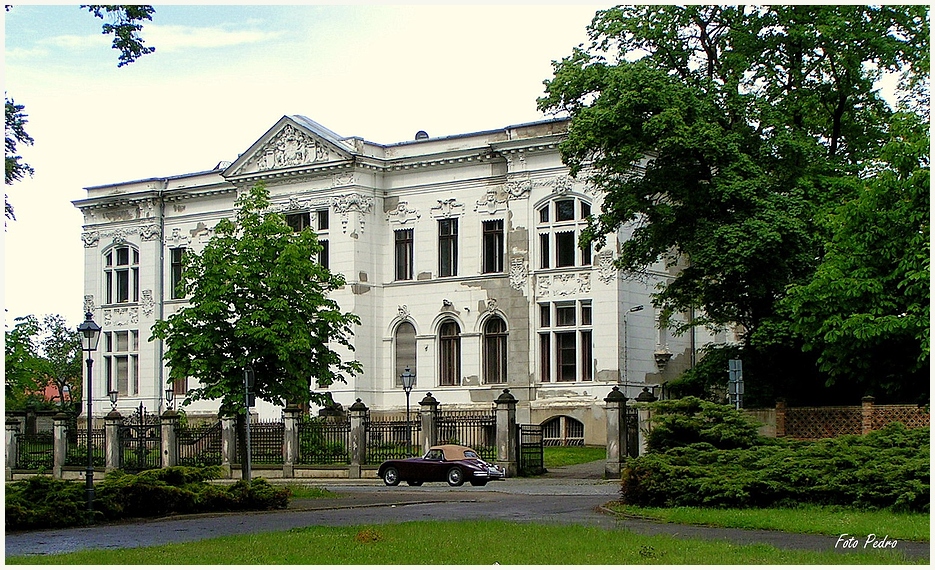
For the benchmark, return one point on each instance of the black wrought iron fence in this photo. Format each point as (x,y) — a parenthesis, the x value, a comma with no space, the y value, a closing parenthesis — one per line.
(34,451)
(199,446)
(266,443)
(392,438)
(474,429)
(632,420)
(140,441)
(324,441)
(76,447)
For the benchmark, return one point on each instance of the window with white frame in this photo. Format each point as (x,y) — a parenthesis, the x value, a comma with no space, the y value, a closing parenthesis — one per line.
(447,247)
(176,266)
(317,220)
(449,349)
(403,250)
(494,351)
(493,246)
(122,362)
(122,275)
(564,331)
(559,225)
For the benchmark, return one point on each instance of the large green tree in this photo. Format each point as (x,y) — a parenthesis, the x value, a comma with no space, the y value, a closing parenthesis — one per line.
(258,297)
(866,309)
(39,354)
(723,136)
(124,22)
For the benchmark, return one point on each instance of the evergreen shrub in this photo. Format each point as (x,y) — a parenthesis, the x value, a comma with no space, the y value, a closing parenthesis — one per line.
(43,502)
(692,463)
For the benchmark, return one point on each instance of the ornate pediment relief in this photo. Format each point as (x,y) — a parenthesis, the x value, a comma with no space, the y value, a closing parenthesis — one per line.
(287,146)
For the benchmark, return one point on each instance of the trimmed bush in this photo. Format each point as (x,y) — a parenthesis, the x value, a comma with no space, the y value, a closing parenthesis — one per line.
(682,422)
(43,502)
(888,468)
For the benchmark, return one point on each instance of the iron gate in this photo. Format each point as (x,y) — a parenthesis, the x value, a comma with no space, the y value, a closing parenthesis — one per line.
(632,421)
(140,441)
(530,450)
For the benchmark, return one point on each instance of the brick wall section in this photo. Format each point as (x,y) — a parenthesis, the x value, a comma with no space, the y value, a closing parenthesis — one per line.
(831,421)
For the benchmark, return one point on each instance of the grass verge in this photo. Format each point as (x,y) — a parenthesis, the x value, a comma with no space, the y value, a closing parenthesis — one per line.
(831,521)
(309,492)
(562,456)
(461,543)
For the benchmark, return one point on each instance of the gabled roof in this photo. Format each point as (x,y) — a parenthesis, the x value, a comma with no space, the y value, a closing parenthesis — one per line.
(293,143)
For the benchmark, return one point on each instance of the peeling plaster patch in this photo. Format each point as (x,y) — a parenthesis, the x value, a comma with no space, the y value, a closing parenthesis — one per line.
(608,375)
(359,289)
(471,381)
(118,215)
(362,276)
(424,276)
(390,204)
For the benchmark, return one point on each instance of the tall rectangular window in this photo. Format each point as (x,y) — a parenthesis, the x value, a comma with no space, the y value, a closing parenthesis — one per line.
(121,362)
(493,246)
(544,251)
(447,247)
(176,261)
(565,353)
(324,254)
(322,219)
(565,249)
(403,248)
(122,275)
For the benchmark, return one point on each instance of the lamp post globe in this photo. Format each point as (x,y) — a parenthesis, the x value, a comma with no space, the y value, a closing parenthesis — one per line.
(90,335)
(408,379)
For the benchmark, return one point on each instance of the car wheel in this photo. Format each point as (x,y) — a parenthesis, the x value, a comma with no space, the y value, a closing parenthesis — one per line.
(391,476)
(455,477)
(479,483)
(414,483)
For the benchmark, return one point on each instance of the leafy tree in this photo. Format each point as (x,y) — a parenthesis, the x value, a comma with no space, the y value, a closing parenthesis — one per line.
(866,309)
(125,29)
(41,354)
(258,297)
(721,137)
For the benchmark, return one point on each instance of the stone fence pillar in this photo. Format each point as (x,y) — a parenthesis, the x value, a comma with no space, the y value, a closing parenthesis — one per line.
(645,416)
(59,443)
(506,433)
(290,440)
(12,428)
(112,423)
(866,415)
(615,410)
(780,418)
(428,413)
(228,444)
(358,438)
(170,447)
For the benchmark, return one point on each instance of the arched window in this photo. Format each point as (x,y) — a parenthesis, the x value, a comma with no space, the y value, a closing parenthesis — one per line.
(494,351)
(122,275)
(563,431)
(449,342)
(559,225)
(405,350)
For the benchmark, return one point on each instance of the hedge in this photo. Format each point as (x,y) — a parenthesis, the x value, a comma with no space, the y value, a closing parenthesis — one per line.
(888,468)
(43,502)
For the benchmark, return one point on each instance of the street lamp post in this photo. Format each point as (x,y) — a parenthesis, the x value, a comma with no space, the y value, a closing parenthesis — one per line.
(409,380)
(90,335)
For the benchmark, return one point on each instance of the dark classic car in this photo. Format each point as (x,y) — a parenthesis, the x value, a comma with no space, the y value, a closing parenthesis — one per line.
(452,463)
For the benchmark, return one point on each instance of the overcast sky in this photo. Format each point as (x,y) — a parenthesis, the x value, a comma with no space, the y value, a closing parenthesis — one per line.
(221,76)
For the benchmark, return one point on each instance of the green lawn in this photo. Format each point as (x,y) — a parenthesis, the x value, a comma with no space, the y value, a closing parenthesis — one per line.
(831,521)
(562,456)
(462,543)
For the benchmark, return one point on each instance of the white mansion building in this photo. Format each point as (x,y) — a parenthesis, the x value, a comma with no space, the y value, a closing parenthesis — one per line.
(461,258)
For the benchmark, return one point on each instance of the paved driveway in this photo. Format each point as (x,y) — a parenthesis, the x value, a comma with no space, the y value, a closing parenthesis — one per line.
(556,499)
